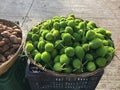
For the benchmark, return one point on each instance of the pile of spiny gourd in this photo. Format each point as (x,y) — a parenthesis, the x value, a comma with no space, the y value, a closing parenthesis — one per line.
(70,45)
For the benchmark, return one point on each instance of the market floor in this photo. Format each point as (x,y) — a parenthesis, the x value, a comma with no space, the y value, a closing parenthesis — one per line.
(106,13)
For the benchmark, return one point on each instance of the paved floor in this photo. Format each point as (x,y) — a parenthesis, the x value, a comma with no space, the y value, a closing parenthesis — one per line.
(106,13)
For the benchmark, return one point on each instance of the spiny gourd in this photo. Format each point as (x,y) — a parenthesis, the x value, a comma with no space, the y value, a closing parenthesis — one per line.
(101,62)
(54,53)
(58,67)
(102,51)
(70,45)
(89,57)
(91,66)
(57,59)
(95,43)
(77,64)
(49,47)
(90,35)
(79,52)
(69,30)
(41,45)
(35,29)
(69,51)
(46,57)
(49,36)
(35,37)
(64,59)
(29,47)
(67,69)
(86,47)
(37,57)
(91,25)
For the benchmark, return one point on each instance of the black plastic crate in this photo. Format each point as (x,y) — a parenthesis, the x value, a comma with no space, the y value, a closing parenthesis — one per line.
(40,80)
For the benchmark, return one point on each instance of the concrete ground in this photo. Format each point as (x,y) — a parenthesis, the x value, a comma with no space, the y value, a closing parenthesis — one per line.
(106,13)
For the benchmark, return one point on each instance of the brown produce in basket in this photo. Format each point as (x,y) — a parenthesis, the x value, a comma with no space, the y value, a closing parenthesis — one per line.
(10,44)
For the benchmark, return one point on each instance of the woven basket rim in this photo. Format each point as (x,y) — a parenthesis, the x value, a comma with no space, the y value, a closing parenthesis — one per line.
(7,64)
(85,74)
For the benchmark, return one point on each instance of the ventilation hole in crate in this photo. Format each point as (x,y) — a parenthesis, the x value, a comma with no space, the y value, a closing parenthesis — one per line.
(37,85)
(75,79)
(69,79)
(81,79)
(53,84)
(56,79)
(78,79)
(59,79)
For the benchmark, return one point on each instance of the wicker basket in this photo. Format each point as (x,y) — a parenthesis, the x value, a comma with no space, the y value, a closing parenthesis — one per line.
(6,65)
